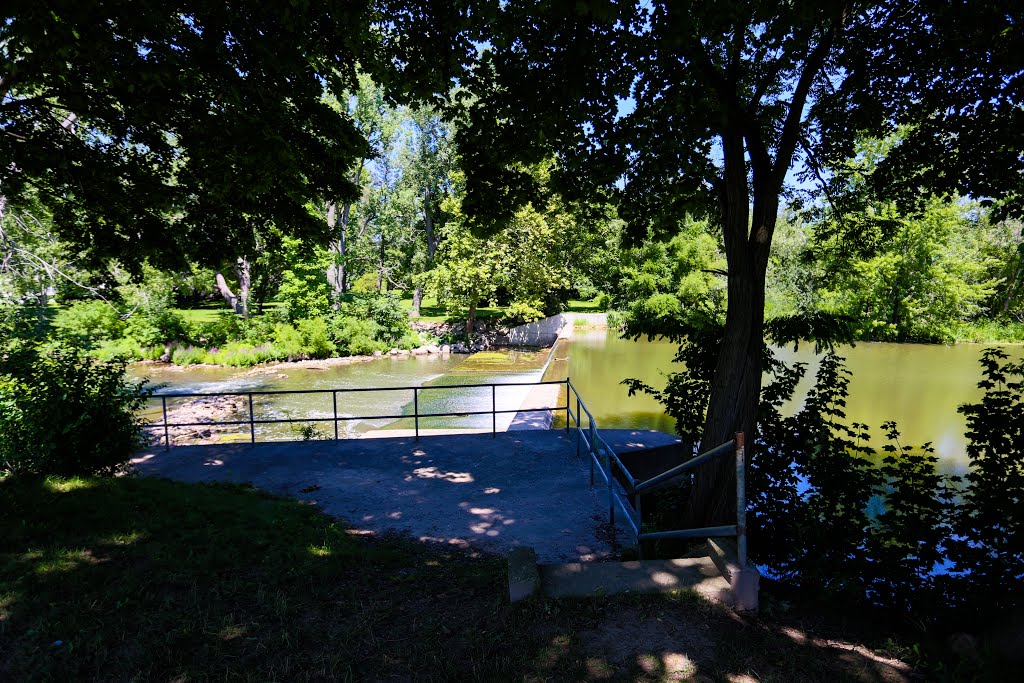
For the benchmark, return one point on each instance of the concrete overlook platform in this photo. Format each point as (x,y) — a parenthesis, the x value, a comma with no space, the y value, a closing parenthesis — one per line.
(515,489)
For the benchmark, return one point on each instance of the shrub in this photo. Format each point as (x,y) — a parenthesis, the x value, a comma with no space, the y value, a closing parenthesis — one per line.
(189,355)
(87,323)
(118,348)
(316,339)
(365,284)
(288,342)
(62,412)
(523,312)
(355,336)
(152,352)
(602,301)
(391,317)
(239,355)
(158,327)
(228,326)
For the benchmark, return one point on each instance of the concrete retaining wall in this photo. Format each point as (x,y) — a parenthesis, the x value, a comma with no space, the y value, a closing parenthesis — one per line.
(545,332)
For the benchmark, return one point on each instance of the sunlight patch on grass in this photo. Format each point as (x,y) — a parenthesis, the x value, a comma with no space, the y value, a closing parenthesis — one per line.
(57,485)
(64,561)
(320,551)
(124,539)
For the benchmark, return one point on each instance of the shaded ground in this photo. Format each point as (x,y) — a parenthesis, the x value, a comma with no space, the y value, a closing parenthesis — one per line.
(142,579)
(495,493)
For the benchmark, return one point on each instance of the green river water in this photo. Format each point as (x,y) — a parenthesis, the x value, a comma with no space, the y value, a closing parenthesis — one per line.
(919,386)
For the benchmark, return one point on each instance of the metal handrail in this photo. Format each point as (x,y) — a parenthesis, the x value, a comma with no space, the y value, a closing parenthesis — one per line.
(416,415)
(634,487)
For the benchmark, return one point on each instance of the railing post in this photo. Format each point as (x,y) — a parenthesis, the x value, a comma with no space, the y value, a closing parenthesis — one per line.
(578,430)
(639,525)
(741,501)
(567,386)
(252,423)
(416,410)
(611,495)
(167,431)
(591,453)
(494,410)
(334,399)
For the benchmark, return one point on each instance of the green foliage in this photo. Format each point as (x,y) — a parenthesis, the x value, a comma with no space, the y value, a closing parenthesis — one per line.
(830,516)
(989,545)
(239,355)
(63,412)
(927,275)
(316,340)
(177,119)
(148,329)
(87,323)
(120,348)
(520,312)
(671,287)
(288,342)
(304,290)
(355,336)
(386,311)
(189,355)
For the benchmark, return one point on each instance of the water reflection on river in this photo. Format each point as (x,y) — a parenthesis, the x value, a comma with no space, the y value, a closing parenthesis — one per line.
(917,385)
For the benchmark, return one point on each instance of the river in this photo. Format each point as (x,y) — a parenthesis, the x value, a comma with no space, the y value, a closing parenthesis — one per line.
(918,386)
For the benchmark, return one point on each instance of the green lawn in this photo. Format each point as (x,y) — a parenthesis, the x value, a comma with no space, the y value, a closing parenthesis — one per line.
(431,312)
(140,579)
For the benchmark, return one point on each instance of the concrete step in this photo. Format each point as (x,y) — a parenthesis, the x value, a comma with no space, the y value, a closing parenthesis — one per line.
(648,576)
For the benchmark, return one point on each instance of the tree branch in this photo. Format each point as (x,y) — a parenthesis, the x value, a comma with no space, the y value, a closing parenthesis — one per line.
(791,128)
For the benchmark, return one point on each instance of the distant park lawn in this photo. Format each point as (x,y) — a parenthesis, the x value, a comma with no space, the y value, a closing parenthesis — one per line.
(142,579)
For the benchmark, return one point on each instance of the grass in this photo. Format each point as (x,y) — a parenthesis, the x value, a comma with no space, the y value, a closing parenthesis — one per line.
(208,312)
(140,579)
(431,312)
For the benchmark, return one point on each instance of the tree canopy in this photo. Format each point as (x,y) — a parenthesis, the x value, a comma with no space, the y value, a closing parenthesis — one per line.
(162,129)
(707,105)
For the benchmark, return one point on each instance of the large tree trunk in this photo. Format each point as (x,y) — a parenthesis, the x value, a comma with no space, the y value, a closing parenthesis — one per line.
(428,224)
(239,302)
(225,291)
(337,275)
(736,386)
(417,301)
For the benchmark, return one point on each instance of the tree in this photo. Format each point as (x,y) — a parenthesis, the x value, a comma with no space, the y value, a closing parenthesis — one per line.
(167,129)
(723,96)
(429,164)
(369,111)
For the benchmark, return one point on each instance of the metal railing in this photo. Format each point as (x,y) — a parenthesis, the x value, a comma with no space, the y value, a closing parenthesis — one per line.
(604,460)
(336,418)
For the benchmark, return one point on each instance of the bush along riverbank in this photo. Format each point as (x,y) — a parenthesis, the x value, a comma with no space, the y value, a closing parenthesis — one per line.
(362,327)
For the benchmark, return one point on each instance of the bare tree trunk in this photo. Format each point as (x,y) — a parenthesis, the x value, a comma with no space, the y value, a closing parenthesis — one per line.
(381,280)
(244,270)
(337,275)
(239,302)
(229,296)
(428,224)
(417,301)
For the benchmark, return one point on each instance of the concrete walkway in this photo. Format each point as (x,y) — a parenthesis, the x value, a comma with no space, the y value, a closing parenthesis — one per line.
(521,488)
